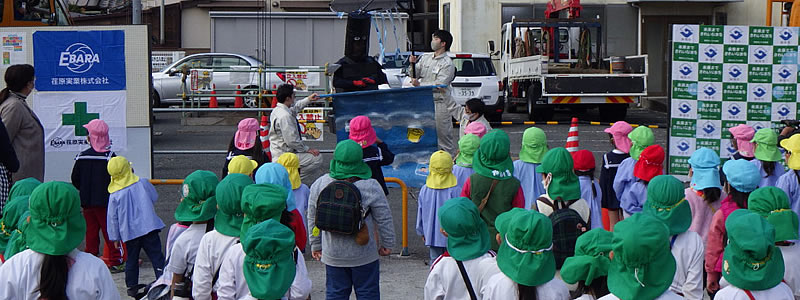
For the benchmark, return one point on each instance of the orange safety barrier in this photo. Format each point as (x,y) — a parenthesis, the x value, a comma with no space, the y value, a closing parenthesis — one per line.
(403,189)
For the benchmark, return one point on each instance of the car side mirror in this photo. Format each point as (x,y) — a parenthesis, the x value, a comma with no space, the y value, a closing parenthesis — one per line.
(491,47)
(173,72)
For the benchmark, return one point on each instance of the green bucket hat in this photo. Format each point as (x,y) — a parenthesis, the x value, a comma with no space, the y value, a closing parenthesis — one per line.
(199,203)
(773,204)
(565,184)
(467,234)
(641,138)
(261,202)
(492,158)
(12,212)
(591,257)
(643,266)
(467,146)
(534,145)
(666,201)
(23,187)
(228,220)
(348,161)
(57,226)
(17,243)
(751,260)
(526,247)
(766,141)
(269,267)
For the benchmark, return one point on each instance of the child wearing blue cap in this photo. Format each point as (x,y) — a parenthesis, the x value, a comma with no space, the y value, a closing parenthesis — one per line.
(742,177)
(705,190)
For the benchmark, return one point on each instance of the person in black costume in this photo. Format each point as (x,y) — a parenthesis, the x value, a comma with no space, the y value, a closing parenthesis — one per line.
(358,71)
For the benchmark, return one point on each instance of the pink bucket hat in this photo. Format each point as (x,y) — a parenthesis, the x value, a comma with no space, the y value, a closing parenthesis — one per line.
(619,131)
(245,137)
(361,131)
(98,135)
(476,128)
(743,135)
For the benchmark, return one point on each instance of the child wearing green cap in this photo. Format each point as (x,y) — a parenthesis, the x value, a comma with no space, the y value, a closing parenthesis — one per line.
(468,243)
(440,186)
(467,146)
(642,266)
(525,259)
(12,213)
(750,263)
(22,188)
(349,265)
(215,243)
(589,267)
(132,219)
(198,205)
(767,156)
(53,268)
(269,266)
(741,178)
(264,209)
(666,201)
(534,146)
(773,204)
(493,187)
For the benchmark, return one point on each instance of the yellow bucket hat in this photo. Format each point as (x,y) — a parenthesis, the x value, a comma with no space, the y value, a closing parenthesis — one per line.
(240,164)
(292,164)
(119,168)
(440,171)
(792,145)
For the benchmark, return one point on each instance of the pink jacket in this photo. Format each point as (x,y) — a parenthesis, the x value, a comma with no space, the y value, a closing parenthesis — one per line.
(702,212)
(715,245)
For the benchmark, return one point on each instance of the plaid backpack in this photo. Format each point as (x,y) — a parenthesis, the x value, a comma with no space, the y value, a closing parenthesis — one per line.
(339,208)
(567,227)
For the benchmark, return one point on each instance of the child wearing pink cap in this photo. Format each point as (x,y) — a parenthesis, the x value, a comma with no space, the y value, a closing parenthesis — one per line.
(742,135)
(90,177)
(618,135)
(376,152)
(245,142)
(476,128)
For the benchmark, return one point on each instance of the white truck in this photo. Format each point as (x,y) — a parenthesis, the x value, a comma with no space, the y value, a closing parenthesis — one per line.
(542,80)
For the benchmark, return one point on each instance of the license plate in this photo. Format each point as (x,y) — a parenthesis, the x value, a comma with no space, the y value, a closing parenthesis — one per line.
(467,92)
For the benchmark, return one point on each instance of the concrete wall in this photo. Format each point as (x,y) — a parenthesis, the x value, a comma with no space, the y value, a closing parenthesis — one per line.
(195,28)
(297,39)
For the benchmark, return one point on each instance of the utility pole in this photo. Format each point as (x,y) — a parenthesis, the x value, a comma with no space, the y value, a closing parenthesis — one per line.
(136,9)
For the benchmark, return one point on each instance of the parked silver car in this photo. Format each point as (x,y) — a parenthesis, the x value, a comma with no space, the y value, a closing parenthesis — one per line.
(167,82)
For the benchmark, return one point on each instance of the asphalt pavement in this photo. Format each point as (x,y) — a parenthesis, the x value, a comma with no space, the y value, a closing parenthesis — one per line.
(402,277)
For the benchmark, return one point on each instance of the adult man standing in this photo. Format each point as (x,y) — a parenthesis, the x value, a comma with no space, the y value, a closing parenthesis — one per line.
(437,69)
(284,131)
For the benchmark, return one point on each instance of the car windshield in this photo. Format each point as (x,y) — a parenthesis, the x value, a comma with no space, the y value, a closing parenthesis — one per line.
(473,67)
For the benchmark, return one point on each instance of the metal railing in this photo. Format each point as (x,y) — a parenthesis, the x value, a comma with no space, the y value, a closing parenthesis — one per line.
(403,190)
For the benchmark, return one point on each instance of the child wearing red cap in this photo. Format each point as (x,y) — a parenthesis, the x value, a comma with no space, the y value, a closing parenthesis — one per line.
(590,189)
(649,165)
(245,142)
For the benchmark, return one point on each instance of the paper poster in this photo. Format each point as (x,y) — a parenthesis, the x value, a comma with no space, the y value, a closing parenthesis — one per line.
(201,80)
(302,79)
(15,48)
(63,115)
(311,131)
(79,60)
(723,76)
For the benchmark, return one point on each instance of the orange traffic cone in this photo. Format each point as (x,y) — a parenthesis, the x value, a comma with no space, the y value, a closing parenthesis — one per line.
(572,136)
(264,136)
(239,102)
(275,94)
(212,103)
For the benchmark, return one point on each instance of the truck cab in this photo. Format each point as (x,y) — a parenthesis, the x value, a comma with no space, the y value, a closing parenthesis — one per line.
(32,13)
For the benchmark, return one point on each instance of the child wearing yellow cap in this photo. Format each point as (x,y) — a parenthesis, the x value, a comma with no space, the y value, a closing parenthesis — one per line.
(790,181)
(439,187)
(291,162)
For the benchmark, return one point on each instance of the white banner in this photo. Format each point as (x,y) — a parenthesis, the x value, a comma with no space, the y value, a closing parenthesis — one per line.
(63,115)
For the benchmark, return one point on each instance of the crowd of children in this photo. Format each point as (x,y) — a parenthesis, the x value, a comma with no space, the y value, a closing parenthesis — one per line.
(495,228)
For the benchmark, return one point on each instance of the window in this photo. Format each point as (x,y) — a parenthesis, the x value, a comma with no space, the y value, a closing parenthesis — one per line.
(196,63)
(61,13)
(225,62)
(446,16)
(473,67)
(32,10)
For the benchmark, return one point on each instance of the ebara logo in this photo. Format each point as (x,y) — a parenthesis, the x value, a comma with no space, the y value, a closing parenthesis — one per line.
(709,90)
(734,109)
(736,33)
(710,52)
(759,91)
(683,145)
(785,72)
(684,107)
(758,126)
(730,150)
(786,35)
(784,110)
(735,71)
(78,58)
(760,53)
(685,69)
(686,32)
(709,128)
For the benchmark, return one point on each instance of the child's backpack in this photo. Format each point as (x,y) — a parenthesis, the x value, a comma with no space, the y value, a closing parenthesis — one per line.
(339,208)
(567,227)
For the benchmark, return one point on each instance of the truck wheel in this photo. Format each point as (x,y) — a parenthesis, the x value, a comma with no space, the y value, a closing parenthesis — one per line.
(540,112)
(613,112)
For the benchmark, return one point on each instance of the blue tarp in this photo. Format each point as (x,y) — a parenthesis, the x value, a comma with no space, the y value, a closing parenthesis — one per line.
(398,116)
